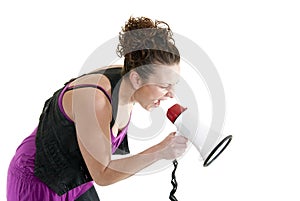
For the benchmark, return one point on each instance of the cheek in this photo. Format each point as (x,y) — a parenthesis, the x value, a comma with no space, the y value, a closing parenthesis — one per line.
(153,92)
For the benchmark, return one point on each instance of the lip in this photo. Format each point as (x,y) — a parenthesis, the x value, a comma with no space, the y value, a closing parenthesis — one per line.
(156,103)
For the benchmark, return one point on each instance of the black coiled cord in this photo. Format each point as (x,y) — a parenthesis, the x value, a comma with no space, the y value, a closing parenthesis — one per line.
(174,182)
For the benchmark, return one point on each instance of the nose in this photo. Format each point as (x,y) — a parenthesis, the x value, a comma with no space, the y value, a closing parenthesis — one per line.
(171,91)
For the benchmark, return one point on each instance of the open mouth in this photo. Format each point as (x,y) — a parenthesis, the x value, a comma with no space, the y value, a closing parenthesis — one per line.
(156,103)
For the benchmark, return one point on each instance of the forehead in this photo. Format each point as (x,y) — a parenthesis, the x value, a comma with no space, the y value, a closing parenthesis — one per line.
(169,74)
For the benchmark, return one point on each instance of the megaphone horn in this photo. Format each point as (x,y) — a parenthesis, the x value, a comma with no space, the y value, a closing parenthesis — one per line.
(185,121)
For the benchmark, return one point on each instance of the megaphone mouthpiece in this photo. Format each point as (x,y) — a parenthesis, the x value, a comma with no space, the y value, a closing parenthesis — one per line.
(174,112)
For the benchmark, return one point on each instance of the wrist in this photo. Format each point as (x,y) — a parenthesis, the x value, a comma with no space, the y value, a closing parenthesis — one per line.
(156,151)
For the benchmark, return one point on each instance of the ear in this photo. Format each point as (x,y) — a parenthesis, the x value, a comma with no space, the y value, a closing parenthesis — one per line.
(135,79)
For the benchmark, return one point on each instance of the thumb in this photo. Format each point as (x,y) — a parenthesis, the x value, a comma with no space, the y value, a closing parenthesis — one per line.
(173,133)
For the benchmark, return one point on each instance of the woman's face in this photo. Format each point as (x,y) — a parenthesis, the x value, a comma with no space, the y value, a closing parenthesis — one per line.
(158,87)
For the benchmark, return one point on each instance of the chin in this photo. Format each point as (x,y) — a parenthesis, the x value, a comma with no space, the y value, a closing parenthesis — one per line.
(149,107)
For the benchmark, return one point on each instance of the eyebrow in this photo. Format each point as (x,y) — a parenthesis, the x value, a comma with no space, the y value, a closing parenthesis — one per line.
(169,84)
(172,84)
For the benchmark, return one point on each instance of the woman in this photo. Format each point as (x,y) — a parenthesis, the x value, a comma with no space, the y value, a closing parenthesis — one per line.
(86,121)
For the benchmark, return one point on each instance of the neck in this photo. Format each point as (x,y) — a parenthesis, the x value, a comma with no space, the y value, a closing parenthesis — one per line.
(126,93)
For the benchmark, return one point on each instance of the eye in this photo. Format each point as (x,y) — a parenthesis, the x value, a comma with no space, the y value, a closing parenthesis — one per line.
(164,86)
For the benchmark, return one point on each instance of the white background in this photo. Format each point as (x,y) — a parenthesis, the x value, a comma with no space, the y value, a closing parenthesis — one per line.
(254,45)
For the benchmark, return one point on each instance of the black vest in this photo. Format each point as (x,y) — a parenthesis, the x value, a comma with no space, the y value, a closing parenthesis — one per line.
(58,161)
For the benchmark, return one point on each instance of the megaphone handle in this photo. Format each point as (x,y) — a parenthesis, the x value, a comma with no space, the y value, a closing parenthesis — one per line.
(174,182)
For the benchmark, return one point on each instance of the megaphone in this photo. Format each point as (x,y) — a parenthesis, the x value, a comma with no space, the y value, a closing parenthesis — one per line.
(208,144)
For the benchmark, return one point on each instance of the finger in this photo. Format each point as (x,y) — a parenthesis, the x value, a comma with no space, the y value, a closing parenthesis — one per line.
(178,153)
(180,146)
(181,139)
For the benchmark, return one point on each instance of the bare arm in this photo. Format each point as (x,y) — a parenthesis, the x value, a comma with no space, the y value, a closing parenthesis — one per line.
(92,115)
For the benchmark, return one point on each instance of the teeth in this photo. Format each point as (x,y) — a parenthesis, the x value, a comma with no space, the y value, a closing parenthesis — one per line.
(156,101)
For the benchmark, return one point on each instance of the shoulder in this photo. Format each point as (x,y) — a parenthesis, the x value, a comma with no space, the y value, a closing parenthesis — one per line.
(98,79)
(83,101)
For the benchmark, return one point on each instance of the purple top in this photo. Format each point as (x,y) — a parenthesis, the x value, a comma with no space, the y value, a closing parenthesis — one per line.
(22,185)
(115,141)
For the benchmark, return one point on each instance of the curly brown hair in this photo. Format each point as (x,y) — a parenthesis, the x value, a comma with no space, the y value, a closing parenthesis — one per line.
(143,42)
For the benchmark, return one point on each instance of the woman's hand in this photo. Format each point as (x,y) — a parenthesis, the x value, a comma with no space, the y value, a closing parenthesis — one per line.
(172,146)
